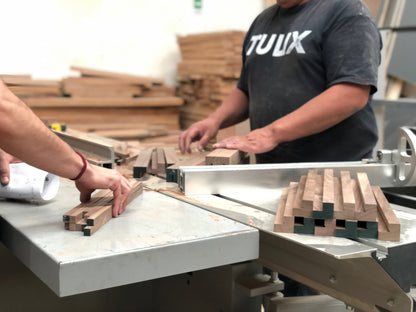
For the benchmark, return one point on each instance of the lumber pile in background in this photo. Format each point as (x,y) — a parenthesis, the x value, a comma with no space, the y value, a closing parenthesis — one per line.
(110,104)
(24,86)
(326,205)
(209,70)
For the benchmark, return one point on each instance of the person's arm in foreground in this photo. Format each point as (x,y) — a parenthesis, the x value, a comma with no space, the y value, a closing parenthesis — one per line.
(23,135)
(233,110)
(320,113)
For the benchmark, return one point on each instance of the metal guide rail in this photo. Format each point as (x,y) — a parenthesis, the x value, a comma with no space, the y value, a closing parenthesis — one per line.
(367,274)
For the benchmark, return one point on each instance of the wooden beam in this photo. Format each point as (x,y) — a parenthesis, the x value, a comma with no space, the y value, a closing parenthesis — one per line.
(224,157)
(369,204)
(309,193)
(100,102)
(389,225)
(142,163)
(348,199)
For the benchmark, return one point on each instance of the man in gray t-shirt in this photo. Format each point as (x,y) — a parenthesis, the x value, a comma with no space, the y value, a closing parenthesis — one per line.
(309,69)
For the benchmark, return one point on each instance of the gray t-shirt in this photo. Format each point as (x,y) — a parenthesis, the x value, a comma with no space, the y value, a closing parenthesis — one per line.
(292,55)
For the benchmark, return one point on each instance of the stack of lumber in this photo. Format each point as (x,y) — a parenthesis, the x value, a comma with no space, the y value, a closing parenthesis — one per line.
(89,217)
(336,206)
(210,67)
(112,104)
(397,19)
(24,86)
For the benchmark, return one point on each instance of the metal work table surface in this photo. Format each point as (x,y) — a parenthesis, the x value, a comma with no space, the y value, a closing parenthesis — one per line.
(156,236)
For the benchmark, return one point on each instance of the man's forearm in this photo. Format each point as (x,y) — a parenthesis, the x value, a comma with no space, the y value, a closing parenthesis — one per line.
(322,112)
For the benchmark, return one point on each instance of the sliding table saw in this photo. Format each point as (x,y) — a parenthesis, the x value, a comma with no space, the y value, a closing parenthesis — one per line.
(211,233)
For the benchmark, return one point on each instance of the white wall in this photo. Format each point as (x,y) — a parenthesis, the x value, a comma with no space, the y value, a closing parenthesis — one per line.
(45,37)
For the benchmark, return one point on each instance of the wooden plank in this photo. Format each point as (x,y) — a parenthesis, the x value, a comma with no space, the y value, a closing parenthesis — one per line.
(171,156)
(298,211)
(317,200)
(279,225)
(100,102)
(89,72)
(288,222)
(338,203)
(142,163)
(153,163)
(288,217)
(222,156)
(328,196)
(35,91)
(161,161)
(389,225)
(368,211)
(347,195)
(309,193)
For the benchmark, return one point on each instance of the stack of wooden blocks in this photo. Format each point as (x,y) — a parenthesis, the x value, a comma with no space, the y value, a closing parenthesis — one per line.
(336,206)
(210,67)
(24,86)
(111,104)
(89,217)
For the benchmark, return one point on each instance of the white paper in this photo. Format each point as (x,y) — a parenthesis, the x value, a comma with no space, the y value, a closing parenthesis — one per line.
(27,182)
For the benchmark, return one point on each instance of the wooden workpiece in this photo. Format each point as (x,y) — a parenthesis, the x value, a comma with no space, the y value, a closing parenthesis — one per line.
(89,217)
(368,210)
(142,164)
(309,192)
(389,225)
(328,197)
(348,199)
(353,208)
(225,157)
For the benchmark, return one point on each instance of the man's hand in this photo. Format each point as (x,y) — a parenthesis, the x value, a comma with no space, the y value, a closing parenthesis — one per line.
(257,141)
(101,178)
(5,161)
(203,131)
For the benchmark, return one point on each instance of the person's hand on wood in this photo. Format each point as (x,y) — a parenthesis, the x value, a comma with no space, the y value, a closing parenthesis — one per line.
(5,161)
(96,177)
(203,131)
(257,141)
